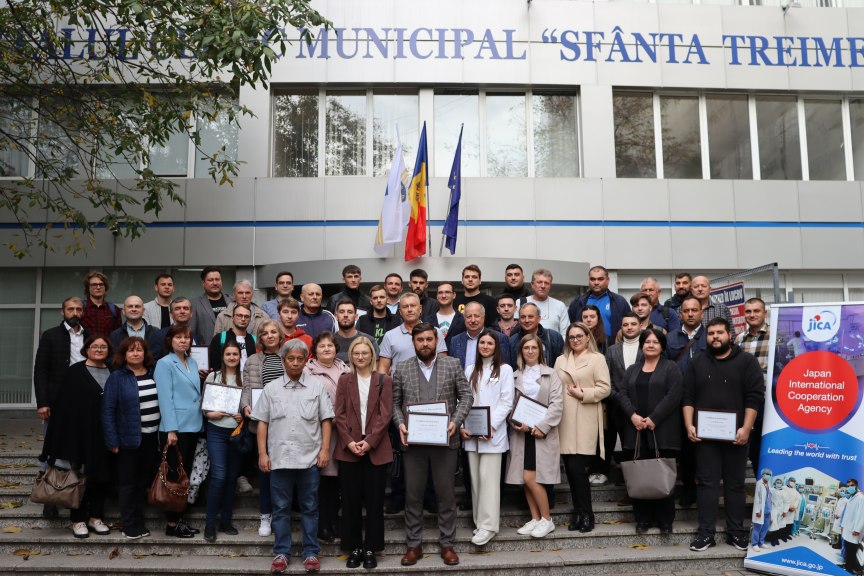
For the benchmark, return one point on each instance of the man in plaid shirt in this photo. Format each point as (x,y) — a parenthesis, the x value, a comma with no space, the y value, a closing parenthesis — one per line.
(100,316)
(755,341)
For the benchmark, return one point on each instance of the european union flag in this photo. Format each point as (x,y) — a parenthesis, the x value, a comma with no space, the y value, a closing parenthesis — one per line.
(451,226)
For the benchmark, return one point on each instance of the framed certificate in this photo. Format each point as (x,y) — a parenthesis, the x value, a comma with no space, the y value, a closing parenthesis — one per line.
(479,421)
(201,355)
(426,407)
(716,425)
(527,411)
(428,429)
(221,398)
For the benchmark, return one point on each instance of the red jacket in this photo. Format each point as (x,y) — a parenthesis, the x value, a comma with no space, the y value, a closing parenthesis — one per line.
(379,411)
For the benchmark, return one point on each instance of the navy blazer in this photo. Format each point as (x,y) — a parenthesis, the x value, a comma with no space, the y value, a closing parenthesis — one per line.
(179,394)
(459,344)
(121,410)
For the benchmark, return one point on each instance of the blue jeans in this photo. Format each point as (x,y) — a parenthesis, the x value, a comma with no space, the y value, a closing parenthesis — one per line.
(265,504)
(224,467)
(282,483)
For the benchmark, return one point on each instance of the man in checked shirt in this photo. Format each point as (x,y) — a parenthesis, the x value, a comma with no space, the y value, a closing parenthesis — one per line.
(755,341)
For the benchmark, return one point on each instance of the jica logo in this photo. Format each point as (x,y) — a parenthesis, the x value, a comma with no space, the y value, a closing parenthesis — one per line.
(820,323)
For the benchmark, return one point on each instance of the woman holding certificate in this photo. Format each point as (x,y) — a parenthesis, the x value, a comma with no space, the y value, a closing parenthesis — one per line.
(260,369)
(224,456)
(179,390)
(364,407)
(534,457)
(491,381)
(325,365)
(650,396)
(585,378)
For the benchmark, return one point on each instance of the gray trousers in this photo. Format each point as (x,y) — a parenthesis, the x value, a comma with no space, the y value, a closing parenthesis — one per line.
(418,461)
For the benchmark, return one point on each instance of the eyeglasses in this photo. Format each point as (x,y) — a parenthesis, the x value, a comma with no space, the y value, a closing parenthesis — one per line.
(243,316)
(97,348)
(576,338)
(97,284)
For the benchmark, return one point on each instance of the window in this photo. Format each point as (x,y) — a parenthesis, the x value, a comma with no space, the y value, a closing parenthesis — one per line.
(556,139)
(345,144)
(779,141)
(15,127)
(635,152)
(16,356)
(682,149)
(451,111)
(171,158)
(295,135)
(856,115)
(389,112)
(730,154)
(55,146)
(218,139)
(506,135)
(825,151)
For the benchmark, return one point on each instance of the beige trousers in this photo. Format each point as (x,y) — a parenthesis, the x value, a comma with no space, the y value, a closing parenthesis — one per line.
(486,489)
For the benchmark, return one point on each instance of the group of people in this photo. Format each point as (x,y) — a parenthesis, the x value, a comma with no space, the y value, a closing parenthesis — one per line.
(328,390)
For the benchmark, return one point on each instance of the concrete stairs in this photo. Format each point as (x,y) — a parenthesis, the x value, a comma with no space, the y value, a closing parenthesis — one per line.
(30,543)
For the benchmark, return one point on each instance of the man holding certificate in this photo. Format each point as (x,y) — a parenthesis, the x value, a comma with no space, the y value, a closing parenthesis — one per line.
(431,435)
(723,392)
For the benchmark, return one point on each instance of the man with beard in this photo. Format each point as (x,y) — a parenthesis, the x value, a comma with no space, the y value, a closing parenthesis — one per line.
(346,318)
(430,378)
(723,378)
(419,280)
(59,347)
(682,290)
(380,319)
(393,286)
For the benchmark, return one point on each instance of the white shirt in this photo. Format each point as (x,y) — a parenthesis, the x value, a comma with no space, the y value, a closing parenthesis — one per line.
(76,342)
(553,314)
(630,349)
(498,394)
(427,370)
(363,386)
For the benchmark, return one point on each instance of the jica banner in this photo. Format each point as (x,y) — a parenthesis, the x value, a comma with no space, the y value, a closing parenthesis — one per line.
(808,511)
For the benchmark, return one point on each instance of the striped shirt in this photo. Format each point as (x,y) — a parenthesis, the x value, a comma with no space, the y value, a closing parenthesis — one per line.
(272,368)
(149,404)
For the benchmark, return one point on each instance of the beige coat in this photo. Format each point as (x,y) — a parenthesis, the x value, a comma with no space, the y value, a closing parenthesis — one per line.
(548,456)
(581,427)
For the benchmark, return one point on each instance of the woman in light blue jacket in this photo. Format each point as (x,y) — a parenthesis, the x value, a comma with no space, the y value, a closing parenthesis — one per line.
(179,389)
(492,385)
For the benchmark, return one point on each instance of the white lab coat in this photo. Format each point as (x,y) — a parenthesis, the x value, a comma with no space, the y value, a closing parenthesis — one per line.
(853,519)
(793,502)
(760,500)
(498,395)
(838,513)
(778,508)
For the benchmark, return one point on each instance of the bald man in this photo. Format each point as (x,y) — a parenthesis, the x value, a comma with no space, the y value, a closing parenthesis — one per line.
(313,318)
(135,325)
(701,290)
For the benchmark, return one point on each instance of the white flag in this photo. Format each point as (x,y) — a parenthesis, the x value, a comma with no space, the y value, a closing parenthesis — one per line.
(394,210)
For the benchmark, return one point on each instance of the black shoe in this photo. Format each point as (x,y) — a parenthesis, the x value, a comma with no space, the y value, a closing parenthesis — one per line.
(575,522)
(738,541)
(229,529)
(394,507)
(369,560)
(210,533)
(179,530)
(49,511)
(325,534)
(665,529)
(642,527)
(188,527)
(587,523)
(702,543)
(355,559)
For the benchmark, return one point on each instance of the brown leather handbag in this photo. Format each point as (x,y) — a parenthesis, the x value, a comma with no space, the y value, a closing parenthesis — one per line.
(166,494)
(59,487)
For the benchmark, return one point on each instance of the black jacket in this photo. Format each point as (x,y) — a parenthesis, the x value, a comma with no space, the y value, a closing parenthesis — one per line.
(359,299)
(366,324)
(52,361)
(120,334)
(664,400)
(733,383)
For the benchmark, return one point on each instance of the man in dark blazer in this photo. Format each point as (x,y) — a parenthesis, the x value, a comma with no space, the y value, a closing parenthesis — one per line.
(208,306)
(55,354)
(430,378)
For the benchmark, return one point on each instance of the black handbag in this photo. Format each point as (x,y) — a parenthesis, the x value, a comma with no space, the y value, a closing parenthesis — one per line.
(242,439)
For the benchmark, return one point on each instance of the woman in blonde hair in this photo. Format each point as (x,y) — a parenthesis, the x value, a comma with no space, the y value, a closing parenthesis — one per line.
(584,375)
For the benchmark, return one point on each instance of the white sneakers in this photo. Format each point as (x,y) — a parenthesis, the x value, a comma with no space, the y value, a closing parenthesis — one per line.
(243,486)
(528,527)
(482,536)
(597,479)
(264,528)
(543,528)
(79,530)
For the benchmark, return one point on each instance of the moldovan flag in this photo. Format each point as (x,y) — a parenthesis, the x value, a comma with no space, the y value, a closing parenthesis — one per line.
(394,210)
(415,242)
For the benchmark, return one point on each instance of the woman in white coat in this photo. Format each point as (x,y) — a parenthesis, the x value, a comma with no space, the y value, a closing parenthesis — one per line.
(491,381)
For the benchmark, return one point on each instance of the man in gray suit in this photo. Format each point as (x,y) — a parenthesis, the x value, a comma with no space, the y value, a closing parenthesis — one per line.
(430,378)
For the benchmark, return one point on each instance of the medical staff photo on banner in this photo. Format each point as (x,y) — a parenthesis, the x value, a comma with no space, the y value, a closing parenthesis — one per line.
(808,511)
